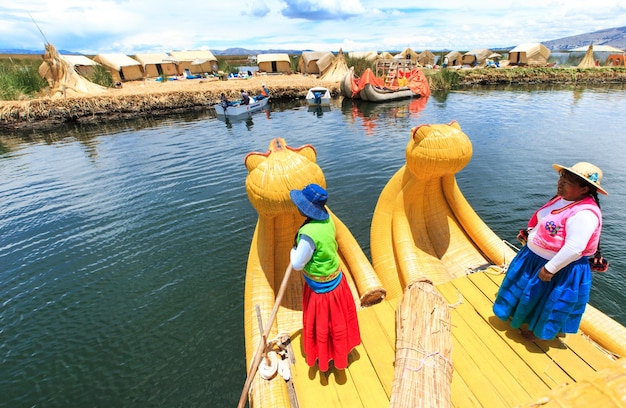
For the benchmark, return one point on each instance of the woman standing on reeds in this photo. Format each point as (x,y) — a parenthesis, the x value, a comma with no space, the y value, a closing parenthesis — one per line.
(547,284)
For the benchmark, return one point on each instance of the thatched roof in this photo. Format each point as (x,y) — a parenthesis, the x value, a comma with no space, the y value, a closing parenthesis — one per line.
(116,61)
(426,57)
(272,57)
(308,63)
(478,56)
(193,55)
(337,70)
(529,53)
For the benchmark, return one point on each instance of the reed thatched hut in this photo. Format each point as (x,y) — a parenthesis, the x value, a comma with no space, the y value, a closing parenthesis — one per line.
(196,61)
(453,58)
(529,54)
(476,57)
(309,62)
(156,65)
(426,58)
(81,64)
(274,63)
(121,66)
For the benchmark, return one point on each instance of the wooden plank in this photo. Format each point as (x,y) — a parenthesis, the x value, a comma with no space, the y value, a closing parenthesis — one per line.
(356,386)
(461,395)
(386,315)
(496,361)
(362,373)
(377,345)
(539,362)
(308,381)
(560,355)
(582,346)
(484,391)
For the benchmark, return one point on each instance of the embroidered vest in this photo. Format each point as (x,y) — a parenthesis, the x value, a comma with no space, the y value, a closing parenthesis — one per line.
(324,264)
(551,232)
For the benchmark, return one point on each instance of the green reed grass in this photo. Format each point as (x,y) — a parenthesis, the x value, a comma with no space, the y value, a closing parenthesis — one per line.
(101,76)
(20,79)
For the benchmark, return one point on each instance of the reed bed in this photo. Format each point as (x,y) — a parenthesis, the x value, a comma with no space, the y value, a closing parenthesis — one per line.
(139,98)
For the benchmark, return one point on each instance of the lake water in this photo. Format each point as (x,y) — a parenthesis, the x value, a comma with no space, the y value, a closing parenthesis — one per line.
(123,246)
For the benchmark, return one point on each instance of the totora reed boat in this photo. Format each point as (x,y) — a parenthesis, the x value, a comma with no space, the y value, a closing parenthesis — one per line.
(429,336)
(393,79)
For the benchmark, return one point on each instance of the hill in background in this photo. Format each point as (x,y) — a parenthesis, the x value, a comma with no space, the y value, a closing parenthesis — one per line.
(615,37)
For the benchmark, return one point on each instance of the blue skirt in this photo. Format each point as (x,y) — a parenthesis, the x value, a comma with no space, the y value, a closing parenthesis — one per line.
(549,308)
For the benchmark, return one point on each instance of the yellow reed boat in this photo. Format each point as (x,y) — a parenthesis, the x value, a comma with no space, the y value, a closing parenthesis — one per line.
(429,337)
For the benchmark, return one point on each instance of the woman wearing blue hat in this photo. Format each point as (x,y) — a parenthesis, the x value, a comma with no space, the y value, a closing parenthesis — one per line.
(330,326)
(547,284)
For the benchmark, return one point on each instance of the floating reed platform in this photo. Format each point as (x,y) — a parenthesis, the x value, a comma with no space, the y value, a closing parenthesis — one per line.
(494,366)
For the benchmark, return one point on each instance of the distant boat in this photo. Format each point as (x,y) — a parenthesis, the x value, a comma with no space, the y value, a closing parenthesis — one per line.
(318,96)
(394,79)
(239,109)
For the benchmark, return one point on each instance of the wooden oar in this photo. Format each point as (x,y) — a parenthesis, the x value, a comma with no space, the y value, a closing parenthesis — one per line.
(262,343)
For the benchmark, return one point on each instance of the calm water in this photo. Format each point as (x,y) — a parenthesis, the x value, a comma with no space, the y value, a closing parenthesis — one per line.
(123,247)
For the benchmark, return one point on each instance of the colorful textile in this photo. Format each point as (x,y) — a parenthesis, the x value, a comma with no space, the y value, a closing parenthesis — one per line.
(549,308)
(330,326)
(551,233)
(325,260)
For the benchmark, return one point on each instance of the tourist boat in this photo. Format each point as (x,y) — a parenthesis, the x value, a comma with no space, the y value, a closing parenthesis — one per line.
(429,336)
(318,96)
(239,109)
(393,79)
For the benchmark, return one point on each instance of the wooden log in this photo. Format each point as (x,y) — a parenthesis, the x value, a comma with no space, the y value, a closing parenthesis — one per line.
(423,362)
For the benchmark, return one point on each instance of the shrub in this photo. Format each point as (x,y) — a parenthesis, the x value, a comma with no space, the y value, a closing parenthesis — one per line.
(360,65)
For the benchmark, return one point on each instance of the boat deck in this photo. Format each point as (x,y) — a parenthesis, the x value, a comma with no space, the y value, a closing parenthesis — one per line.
(494,366)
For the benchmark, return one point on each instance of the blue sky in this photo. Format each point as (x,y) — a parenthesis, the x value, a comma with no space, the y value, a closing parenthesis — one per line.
(138,26)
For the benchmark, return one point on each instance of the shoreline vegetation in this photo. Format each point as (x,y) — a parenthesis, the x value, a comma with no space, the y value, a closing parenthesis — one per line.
(151,98)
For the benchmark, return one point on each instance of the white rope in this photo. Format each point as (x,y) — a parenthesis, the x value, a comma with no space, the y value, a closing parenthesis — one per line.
(422,361)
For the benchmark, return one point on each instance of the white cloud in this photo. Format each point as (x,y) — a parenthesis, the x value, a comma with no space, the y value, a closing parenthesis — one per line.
(354,25)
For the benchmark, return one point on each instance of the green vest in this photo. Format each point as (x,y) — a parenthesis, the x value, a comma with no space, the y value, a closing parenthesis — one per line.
(325,259)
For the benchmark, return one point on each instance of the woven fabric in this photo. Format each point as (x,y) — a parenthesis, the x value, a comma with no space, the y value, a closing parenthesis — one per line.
(330,326)
(550,307)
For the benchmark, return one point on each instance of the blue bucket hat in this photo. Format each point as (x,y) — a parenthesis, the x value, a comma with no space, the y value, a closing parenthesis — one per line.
(311,201)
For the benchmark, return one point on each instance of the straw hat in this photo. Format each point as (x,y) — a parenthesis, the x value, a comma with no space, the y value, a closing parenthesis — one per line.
(587,171)
(311,201)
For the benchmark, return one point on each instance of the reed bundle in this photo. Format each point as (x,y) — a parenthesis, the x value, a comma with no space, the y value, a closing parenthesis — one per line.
(423,363)
(606,389)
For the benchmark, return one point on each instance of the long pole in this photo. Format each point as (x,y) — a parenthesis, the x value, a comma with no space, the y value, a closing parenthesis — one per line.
(262,343)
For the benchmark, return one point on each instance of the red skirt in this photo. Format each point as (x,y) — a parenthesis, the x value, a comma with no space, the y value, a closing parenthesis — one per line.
(330,326)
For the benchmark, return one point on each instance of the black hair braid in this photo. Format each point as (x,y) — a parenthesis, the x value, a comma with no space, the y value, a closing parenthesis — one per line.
(295,238)
(597,262)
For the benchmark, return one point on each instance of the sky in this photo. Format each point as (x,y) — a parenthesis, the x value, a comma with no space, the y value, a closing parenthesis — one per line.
(139,26)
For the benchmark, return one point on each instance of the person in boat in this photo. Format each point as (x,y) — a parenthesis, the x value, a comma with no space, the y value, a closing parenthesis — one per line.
(224,100)
(330,326)
(264,91)
(245,99)
(546,287)
(317,97)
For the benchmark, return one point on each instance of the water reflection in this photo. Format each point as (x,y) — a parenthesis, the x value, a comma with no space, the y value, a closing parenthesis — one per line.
(371,115)
(318,111)
(233,121)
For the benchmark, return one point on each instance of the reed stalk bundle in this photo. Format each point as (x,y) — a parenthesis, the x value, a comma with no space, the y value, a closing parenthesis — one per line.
(423,363)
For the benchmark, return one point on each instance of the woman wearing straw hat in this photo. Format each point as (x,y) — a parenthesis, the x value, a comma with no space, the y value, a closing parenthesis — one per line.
(330,326)
(547,284)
